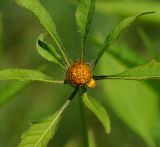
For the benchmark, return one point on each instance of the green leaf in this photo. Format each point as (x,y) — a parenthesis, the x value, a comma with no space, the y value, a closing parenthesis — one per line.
(11,88)
(114,35)
(47,51)
(26,75)
(93,105)
(45,19)
(134,102)
(150,70)
(8,90)
(39,134)
(121,52)
(84,15)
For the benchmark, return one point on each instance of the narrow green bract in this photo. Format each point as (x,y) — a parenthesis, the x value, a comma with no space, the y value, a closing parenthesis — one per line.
(26,75)
(93,105)
(84,15)
(114,35)
(47,51)
(150,70)
(39,134)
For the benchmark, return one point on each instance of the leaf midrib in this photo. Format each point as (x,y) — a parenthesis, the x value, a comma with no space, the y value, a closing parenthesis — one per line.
(67,103)
(87,22)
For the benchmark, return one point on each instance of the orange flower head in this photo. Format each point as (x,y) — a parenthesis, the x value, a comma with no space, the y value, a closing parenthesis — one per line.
(80,74)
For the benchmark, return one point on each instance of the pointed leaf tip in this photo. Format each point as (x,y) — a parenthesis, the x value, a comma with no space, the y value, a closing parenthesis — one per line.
(149,70)
(116,32)
(100,112)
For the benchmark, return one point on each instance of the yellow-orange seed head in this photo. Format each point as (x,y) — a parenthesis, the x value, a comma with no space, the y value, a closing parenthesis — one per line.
(80,74)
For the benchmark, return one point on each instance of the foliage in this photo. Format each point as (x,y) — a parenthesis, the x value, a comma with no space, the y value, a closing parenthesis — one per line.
(135,102)
(93,105)
(47,51)
(40,133)
(84,15)
(114,35)
(125,96)
(146,71)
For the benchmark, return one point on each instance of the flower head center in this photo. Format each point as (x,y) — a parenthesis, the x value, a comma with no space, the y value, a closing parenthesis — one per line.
(80,74)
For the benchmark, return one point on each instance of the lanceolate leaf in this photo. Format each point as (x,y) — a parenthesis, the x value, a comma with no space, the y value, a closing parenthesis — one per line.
(47,51)
(150,70)
(84,15)
(45,19)
(98,110)
(114,35)
(136,103)
(39,134)
(122,52)
(26,75)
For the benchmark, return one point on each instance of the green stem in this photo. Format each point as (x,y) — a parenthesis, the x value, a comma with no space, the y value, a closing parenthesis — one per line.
(83,123)
(66,59)
(82,53)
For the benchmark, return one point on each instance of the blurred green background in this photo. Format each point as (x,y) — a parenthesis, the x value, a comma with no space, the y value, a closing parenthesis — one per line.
(133,106)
